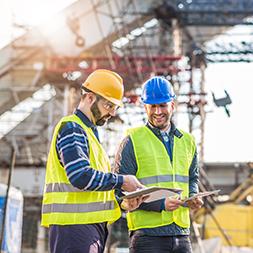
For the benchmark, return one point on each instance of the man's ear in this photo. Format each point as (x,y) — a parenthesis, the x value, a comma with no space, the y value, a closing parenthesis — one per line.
(172,105)
(91,97)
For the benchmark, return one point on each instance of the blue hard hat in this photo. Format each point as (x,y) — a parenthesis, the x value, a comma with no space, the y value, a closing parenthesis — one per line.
(157,90)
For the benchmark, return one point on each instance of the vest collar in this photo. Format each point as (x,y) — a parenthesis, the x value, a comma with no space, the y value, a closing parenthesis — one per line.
(173,130)
(84,119)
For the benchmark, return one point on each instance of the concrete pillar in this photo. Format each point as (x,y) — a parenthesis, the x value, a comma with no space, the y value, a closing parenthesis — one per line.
(41,239)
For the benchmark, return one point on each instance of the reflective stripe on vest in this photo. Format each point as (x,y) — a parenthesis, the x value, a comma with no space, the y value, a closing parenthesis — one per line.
(61,187)
(78,208)
(163,178)
(63,204)
(156,169)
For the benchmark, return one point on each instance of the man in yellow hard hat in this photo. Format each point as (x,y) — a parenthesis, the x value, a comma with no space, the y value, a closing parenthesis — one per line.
(79,198)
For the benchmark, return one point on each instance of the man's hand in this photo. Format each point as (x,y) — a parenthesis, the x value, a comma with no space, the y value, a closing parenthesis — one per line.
(132,204)
(195,204)
(131,183)
(172,204)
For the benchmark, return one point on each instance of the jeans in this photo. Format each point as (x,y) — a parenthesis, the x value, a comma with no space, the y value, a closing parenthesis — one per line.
(160,244)
(86,238)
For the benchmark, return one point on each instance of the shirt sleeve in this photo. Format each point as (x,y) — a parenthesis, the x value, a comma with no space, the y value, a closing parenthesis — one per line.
(124,163)
(73,152)
(194,176)
(155,206)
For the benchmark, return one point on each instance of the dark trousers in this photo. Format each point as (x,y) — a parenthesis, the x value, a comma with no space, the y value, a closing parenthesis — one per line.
(160,244)
(88,238)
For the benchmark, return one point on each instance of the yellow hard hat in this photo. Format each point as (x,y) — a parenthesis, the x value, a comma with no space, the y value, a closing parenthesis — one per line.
(107,84)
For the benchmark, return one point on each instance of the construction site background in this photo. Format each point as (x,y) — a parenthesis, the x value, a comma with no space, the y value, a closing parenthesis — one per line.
(204,48)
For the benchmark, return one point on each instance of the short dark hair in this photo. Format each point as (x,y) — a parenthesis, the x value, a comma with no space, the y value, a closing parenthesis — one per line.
(84,90)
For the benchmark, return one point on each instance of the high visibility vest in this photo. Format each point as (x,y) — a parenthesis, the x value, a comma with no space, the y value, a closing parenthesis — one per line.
(156,169)
(64,204)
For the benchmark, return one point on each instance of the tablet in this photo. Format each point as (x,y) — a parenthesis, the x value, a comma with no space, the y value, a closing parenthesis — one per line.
(154,192)
(201,195)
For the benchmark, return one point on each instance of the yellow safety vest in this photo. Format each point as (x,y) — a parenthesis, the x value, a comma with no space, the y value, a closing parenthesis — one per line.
(156,169)
(64,204)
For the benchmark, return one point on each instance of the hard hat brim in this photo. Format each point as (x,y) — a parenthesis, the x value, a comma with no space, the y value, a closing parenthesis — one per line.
(114,101)
(158,101)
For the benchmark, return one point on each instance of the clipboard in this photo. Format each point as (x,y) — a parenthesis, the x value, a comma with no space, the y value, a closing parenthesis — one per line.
(154,192)
(201,195)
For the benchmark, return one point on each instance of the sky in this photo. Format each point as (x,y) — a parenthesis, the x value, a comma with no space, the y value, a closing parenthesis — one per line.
(226,139)
(29,12)
(230,139)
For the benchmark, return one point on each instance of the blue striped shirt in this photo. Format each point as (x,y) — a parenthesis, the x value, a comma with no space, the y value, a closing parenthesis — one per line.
(73,153)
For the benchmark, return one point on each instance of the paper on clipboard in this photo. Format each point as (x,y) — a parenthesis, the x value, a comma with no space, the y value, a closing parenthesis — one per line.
(154,192)
(201,195)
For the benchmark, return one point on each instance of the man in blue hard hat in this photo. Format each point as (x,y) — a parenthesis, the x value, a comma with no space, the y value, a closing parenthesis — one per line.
(159,154)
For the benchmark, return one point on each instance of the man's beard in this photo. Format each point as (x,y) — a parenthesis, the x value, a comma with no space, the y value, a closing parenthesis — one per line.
(167,119)
(99,121)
